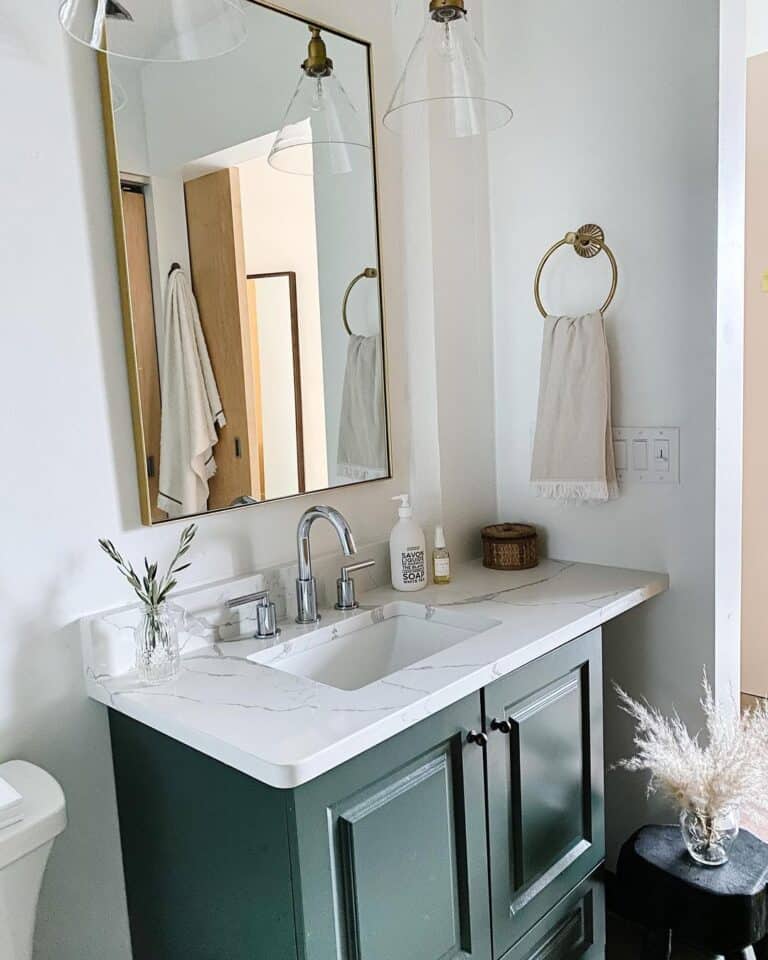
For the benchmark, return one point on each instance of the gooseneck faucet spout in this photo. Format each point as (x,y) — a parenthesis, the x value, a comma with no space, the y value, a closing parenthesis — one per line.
(306,585)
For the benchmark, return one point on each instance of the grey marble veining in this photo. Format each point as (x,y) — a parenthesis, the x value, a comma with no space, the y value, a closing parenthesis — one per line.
(286,730)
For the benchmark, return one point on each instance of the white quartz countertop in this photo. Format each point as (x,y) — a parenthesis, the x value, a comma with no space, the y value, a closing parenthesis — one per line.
(285,730)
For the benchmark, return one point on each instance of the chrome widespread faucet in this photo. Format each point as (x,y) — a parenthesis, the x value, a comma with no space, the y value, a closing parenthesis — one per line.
(306,585)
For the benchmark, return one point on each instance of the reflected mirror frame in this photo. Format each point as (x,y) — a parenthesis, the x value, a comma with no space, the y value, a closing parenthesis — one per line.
(113,164)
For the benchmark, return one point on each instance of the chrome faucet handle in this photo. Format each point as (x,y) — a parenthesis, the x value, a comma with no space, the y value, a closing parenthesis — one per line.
(248,598)
(266,614)
(345,585)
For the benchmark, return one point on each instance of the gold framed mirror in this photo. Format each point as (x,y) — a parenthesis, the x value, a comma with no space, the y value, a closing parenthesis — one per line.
(245,200)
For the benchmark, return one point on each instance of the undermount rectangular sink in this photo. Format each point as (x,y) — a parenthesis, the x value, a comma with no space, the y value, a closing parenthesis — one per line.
(374,645)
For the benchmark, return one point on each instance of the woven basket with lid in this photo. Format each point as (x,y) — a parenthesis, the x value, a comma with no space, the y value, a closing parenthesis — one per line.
(510,546)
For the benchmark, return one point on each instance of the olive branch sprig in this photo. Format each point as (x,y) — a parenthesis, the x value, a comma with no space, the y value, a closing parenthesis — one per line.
(148,588)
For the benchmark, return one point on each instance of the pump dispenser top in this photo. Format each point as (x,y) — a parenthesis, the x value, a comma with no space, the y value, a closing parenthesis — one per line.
(406,510)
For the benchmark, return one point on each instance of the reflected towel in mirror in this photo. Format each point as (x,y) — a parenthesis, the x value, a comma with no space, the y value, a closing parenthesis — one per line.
(363,429)
(573,455)
(191,406)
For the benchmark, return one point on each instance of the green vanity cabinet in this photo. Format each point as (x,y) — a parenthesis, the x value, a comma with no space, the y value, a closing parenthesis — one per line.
(390,849)
(545,784)
(205,853)
(430,846)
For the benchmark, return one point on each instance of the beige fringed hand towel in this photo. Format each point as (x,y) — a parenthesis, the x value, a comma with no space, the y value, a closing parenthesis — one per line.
(573,451)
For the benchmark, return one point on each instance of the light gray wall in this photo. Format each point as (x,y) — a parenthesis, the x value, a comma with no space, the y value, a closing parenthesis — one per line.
(757,27)
(616,107)
(346,244)
(233,94)
(68,472)
(449,328)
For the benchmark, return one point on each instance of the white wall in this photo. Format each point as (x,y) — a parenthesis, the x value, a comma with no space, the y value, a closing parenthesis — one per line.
(126,77)
(346,245)
(616,107)
(228,92)
(731,466)
(164,194)
(68,472)
(270,299)
(449,321)
(757,27)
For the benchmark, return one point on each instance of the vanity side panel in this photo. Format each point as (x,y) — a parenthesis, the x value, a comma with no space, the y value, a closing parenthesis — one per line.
(389,850)
(205,853)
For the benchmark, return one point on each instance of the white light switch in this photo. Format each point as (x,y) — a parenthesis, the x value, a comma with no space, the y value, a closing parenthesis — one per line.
(661,455)
(639,454)
(647,454)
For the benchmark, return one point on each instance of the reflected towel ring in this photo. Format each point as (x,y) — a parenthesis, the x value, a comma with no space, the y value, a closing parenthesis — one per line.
(370,273)
(587,241)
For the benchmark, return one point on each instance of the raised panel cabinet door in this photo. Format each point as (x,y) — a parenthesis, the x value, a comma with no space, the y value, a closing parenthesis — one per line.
(545,784)
(389,850)
(575,928)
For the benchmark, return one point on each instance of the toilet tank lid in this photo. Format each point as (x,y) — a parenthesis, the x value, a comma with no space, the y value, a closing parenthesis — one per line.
(43,808)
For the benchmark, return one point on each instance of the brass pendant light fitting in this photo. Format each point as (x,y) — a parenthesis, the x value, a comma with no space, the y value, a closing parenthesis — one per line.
(318,63)
(444,11)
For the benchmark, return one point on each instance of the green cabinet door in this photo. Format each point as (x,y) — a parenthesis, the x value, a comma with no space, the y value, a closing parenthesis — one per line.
(545,784)
(389,850)
(575,928)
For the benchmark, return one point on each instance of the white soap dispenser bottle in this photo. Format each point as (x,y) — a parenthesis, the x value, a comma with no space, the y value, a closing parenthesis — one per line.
(408,550)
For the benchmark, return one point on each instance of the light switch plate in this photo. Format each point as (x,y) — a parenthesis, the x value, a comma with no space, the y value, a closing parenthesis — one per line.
(660,449)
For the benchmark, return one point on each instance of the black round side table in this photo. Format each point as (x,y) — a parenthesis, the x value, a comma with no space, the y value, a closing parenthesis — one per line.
(722,910)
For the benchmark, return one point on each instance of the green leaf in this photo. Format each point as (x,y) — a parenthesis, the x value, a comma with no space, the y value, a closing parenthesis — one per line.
(147,588)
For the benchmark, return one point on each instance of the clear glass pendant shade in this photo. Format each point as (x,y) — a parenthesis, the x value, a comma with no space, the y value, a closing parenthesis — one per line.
(157,30)
(323,133)
(119,96)
(443,85)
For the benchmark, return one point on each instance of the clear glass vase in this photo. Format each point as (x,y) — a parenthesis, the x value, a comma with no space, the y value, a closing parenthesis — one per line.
(709,838)
(158,656)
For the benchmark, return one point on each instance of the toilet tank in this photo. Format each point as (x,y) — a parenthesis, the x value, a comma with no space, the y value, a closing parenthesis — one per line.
(24,851)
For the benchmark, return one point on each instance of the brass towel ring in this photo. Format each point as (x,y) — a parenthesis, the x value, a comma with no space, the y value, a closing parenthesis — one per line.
(587,241)
(370,273)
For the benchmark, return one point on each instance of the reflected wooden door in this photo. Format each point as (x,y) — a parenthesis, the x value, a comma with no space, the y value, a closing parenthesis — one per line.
(217,259)
(143,315)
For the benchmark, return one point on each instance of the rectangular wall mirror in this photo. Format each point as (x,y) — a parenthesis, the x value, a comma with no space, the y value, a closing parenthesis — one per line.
(247,229)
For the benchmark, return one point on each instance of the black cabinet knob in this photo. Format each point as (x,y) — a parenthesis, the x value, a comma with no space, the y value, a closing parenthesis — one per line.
(503,726)
(479,739)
